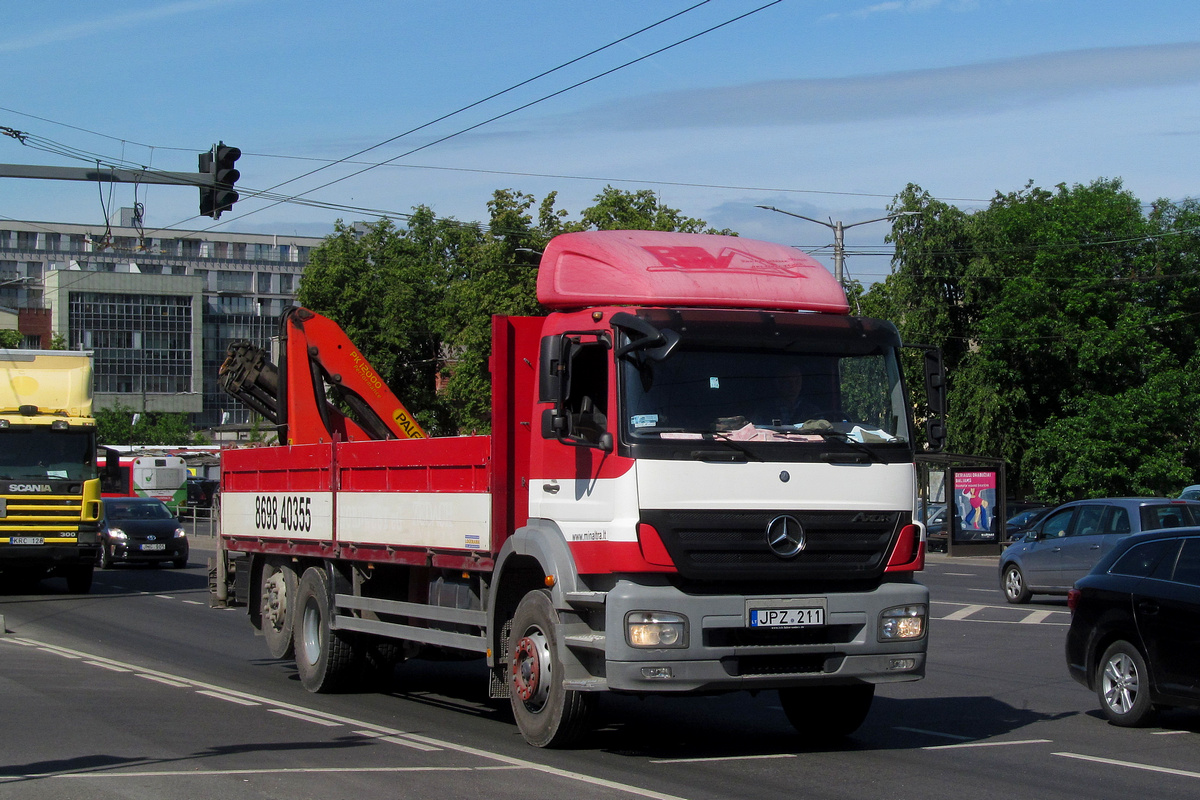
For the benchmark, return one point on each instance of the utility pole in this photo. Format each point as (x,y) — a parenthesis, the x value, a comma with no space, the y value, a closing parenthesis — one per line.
(839,239)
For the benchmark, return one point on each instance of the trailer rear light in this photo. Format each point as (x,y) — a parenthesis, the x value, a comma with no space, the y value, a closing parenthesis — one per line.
(656,629)
(902,622)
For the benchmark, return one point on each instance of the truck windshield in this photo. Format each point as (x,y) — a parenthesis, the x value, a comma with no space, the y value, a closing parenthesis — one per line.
(778,377)
(43,453)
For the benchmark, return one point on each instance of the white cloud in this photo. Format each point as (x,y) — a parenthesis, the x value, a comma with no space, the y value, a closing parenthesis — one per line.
(94,27)
(968,90)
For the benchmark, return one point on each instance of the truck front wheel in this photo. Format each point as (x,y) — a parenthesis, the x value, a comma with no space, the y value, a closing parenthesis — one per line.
(79,578)
(278,607)
(547,713)
(819,712)
(324,657)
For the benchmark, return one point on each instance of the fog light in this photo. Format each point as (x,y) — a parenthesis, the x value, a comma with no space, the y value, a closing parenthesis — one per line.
(657,673)
(902,622)
(901,664)
(655,629)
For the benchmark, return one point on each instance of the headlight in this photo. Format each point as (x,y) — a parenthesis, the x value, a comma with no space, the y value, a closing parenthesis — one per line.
(117,533)
(656,629)
(180,533)
(902,622)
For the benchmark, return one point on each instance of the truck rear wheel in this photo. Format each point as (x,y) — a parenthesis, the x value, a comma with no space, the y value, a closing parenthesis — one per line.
(324,657)
(278,607)
(547,713)
(819,712)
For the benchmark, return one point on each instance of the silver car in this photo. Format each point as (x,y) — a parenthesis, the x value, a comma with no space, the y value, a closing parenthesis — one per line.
(1068,541)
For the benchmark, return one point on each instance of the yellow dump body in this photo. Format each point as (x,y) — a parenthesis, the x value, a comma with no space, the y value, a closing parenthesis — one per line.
(54,382)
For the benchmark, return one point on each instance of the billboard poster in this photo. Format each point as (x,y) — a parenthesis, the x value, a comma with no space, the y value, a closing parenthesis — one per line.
(975,506)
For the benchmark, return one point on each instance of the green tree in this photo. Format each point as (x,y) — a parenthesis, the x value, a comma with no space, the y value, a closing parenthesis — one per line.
(117,426)
(10,339)
(1064,317)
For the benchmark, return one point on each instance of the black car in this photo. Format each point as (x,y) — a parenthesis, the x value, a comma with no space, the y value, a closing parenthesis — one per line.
(200,491)
(141,529)
(1135,626)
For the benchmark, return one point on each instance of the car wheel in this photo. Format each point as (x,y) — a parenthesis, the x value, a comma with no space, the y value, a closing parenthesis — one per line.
(104,559)
(1123,685)
(1013,583)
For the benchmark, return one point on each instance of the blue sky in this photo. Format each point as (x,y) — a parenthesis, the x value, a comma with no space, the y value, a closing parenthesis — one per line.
(822,107)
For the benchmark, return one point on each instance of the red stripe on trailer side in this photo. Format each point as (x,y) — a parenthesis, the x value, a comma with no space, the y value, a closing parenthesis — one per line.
(442,464)
(602,558)
(297,468)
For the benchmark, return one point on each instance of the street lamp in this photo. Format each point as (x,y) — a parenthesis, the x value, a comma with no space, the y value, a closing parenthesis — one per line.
(838,228)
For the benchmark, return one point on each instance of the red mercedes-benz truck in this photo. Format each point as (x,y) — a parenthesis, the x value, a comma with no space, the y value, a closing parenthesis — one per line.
(700,478)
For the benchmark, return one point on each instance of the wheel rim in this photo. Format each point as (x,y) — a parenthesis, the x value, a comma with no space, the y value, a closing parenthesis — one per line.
(1120,683)
(1012,583)
(531,669)
(311,633)
(275,600)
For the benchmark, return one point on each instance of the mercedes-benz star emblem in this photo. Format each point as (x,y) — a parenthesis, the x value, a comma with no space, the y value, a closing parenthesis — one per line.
(785,536)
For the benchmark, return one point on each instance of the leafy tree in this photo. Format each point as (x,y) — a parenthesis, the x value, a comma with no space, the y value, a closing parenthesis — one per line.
(10,339)
(116,426)
(1064,317)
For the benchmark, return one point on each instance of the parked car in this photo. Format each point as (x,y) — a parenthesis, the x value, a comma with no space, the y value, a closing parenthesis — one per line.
(1190,493)
(1068,541)
(141,529)
(1022,522)
(1135,626)
(200,491)
(937,528)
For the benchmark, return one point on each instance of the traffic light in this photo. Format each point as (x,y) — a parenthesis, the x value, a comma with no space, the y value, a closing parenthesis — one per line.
(218,163)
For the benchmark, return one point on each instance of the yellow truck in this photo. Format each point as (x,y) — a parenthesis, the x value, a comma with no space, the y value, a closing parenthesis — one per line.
(49,475)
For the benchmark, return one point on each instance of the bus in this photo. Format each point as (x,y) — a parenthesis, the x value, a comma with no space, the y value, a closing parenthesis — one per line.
(160,477)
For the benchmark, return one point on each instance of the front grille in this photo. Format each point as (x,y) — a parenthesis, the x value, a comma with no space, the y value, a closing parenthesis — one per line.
(780,637)
(732,545)
(33,512)
(781,665)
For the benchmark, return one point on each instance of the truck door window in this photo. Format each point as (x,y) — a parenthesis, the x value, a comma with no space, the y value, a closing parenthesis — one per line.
(586,403)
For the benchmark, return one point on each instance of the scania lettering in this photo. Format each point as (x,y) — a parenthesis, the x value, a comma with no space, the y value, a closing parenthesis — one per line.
(699,479)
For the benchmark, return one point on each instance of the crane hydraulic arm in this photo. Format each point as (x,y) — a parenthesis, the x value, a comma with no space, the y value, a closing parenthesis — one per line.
(318,366)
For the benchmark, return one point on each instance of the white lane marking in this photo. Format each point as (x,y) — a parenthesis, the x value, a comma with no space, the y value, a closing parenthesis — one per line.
(935,733)
(428,748)
(1169,733)
(164,681)
(719,758)
(1035,617)
(228,698)
(102,665)
(165,596)
(194,603)
(519,763)
(58,652)
(962,574)
(212,772)
(985,744)
(962,613)
(1132,765)
(287,712)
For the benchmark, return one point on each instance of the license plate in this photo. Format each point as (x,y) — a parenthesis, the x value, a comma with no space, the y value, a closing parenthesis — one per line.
(27,540)
(786,617)
(158,546)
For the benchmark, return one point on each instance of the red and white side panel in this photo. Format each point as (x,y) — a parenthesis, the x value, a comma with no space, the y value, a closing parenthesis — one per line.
(444,520)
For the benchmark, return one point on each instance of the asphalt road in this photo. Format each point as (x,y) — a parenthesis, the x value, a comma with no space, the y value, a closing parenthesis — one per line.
(141,690)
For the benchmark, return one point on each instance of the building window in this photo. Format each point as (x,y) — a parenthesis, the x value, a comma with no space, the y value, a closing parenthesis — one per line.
(142,343)
(264,283)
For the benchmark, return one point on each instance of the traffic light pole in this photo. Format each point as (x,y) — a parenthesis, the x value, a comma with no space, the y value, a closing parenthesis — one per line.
(107,175)
(215,178)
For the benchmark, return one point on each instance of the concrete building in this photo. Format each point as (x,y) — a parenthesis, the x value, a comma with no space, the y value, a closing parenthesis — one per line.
(158,308)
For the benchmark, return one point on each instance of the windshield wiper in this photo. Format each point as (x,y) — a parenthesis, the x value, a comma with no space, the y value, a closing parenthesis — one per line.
(734,443)
(842,436)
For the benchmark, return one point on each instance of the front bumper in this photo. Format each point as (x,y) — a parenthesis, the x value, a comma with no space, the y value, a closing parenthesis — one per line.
(49,555)
(129,552)
(724,654)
